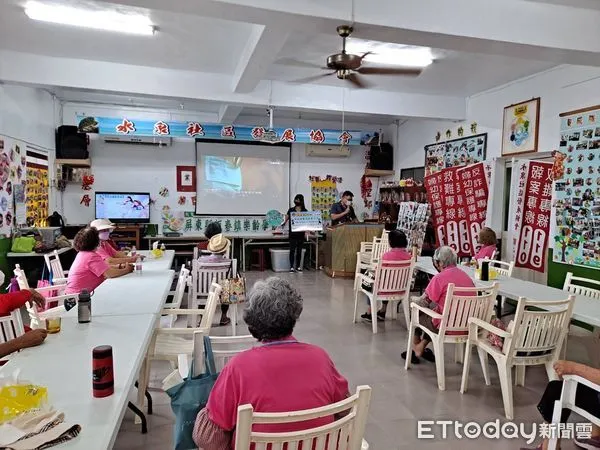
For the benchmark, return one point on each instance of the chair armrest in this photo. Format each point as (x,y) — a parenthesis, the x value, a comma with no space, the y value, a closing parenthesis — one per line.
(365,277)
(59,287)
(489,327)
(580,380)
(180,331)
(59,281)
(423,309)
(181,312)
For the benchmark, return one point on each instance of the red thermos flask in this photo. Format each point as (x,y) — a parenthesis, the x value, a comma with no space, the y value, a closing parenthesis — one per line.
(103,383)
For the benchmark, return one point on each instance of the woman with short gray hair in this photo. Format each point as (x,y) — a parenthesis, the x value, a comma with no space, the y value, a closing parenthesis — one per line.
(444,260)
(280,374)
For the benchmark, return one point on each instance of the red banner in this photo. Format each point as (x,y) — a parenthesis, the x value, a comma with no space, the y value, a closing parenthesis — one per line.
(532,214)
(458,199)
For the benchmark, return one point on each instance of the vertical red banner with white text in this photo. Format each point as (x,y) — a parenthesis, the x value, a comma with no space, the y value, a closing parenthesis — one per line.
(433,186)
(531,222)
(475,186)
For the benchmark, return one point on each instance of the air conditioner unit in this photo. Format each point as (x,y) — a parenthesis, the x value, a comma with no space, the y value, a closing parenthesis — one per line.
(155,141)
(332,151)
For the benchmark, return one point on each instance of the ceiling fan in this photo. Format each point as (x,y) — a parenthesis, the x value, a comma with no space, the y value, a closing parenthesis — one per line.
(347,66)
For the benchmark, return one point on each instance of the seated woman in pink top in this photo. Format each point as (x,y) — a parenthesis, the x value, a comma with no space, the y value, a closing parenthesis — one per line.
(89,269)
(444,260)
(397,252)
(279,374)
(487,240)
(105,249)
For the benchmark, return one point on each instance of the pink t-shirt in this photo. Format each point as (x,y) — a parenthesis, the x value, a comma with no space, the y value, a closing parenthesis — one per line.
(438,286)
(279,376)
(485,252)
(106,250)
(396,254)
(87,272)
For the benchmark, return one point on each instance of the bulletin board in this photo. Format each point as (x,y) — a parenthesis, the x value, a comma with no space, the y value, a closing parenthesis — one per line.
(455,153)
(12,173)
(577,189)
(36,190)
(324,194)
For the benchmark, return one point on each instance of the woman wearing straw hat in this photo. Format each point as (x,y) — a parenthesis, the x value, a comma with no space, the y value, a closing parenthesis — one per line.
(218,247)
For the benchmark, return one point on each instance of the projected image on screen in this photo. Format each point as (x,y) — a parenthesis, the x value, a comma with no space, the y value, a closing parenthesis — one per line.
(122,206)
(241,179)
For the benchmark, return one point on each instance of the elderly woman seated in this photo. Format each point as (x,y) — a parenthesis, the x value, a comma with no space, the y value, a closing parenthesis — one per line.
(444,260)
(586,398)
(280,374)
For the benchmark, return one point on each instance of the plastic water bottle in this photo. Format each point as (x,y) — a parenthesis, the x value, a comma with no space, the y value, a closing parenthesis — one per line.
(138,266)
(133,251)
(84,307)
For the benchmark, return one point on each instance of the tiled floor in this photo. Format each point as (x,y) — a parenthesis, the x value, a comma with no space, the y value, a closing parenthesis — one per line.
(399,398)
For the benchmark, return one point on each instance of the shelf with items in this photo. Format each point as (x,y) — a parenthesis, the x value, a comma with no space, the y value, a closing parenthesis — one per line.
(128,235)
(391,195)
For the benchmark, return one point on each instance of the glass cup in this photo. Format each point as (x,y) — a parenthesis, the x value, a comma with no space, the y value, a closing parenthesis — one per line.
(53,325)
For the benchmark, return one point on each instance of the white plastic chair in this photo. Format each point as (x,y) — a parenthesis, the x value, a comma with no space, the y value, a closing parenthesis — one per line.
(391,282)
(168,343)
(461,305)
(183,280)
(11,326)
(590,340)
(347,429)
(502,268)
(567,400)
(536,338)
(59,276)
(367,260)
(203,275)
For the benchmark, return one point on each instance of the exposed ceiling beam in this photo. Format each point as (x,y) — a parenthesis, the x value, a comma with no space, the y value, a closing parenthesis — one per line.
(262,48)
(531,35)
(229,113)
(178,84)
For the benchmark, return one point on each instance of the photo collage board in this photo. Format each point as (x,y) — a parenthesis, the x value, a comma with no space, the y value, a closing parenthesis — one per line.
(455,153)
(12,174)
(577,189)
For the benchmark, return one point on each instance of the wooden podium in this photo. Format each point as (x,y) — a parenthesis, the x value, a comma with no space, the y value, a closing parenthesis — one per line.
(342,244)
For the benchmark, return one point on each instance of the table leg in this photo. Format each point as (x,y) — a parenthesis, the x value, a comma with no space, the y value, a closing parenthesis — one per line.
(317,253)
(244,255)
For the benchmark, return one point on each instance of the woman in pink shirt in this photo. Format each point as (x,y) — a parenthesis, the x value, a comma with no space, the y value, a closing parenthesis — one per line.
(444,260)
(397,252)
(279,374)
(487,240)
(89,269)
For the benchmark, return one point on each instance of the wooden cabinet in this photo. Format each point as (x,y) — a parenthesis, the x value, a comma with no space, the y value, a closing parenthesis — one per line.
(127,235)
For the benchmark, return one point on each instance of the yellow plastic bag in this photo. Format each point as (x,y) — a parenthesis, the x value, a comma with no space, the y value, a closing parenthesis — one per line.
(16,399)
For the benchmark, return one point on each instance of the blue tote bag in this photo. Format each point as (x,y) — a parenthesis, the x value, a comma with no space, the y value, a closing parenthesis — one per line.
(189,397)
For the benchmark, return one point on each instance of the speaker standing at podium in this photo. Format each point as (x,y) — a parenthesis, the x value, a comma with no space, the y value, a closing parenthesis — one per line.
(342,211)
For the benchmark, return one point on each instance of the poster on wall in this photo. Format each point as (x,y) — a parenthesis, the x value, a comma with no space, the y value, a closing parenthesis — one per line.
(458,199)
(520,127)
(36,190)
(455,153)
(12,173)
(412,220)
(576,237)
(186,178)
(324,194)
(530,213)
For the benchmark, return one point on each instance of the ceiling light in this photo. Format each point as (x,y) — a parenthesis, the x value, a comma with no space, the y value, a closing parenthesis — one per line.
(391,54)
(89,18)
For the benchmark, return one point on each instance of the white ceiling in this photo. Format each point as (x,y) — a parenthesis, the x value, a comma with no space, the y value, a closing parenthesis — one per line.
(230,58)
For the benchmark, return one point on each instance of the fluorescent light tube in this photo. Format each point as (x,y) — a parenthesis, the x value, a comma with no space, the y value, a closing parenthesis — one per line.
(89,18)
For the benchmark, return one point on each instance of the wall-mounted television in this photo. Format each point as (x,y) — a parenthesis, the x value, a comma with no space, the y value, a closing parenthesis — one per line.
(123,207)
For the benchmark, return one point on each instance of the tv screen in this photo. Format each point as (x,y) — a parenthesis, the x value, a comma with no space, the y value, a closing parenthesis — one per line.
(123,207)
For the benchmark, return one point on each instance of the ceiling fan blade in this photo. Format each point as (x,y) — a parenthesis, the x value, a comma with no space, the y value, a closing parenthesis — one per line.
(296,63)
(313,78)
(356,80)
(389,71)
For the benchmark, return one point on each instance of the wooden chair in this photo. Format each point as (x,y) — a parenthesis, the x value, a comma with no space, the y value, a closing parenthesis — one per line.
(567,400)
(203,275)
(59,276)
(344,433)
(539,331)
(391,282)
(168,343)
(589,339)
(461,305)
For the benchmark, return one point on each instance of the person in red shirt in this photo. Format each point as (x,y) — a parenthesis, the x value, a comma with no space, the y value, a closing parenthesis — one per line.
(444,260)
(397,252)
(300,375)
(14,300)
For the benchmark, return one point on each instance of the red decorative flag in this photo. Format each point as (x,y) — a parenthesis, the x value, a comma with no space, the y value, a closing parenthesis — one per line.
(531,221)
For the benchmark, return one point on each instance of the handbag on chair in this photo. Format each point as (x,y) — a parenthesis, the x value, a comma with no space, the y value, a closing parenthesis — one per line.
(233,290)
(43,283)
(189,397)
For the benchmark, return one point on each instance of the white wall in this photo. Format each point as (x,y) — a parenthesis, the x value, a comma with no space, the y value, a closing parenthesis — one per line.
(28,114)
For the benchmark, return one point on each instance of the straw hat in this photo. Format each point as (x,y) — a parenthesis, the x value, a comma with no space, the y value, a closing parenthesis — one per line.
(218,244)
(102,224)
